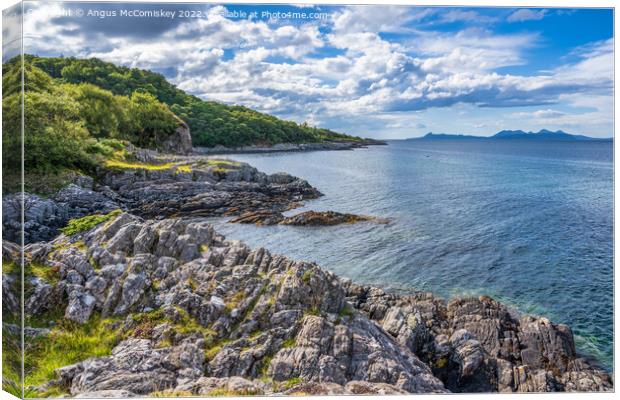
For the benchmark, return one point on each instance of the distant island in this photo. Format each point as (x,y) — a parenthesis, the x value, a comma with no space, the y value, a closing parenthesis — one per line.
(542,135)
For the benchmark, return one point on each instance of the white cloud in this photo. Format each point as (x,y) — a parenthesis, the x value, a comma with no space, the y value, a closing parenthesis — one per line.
(377,18)
(11,32)
(548,113)
(457,15)
(526,14)
(471,49)
(360,76)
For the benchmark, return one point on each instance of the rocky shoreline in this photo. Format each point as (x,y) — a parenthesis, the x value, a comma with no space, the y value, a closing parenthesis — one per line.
(157,186)
(289,147)
(187,312)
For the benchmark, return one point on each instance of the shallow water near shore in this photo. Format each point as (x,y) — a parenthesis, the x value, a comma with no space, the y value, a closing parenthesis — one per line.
(528,223)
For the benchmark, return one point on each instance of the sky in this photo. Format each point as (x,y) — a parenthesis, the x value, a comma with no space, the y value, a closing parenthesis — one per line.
(386,72)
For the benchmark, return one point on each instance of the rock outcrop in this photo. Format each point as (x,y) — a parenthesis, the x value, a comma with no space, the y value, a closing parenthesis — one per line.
(198,315)
(205,189)
(261,317)
(179,142)
(478,345)
(156,187)
(44,216)
(306,218)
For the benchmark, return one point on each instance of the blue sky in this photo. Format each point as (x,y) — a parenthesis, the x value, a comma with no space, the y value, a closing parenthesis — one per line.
(377,71)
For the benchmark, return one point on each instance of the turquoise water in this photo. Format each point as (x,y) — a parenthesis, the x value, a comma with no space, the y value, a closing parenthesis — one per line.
(528,223)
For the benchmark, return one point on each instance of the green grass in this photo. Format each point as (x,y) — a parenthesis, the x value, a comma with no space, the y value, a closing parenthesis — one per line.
(192,283)
(223,392)
(117,163)
(221,171)
(442,362)
(135,165)
(346,311)
(313,311)
(221,163)
(171,393)
(306,276)
(265,366)
(184,169)
(289,383)
(70,342)
(9,267)
(67,344)
(211,352)
(45,319)
(87,223)
(11,386)
(47,273)
(288,343)
(235,300)
(185,325)
(11,362)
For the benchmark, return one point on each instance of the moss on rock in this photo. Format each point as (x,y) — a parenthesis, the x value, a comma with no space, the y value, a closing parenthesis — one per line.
(87,223)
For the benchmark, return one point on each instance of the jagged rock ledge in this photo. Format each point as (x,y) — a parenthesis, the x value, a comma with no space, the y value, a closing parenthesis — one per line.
(199,315)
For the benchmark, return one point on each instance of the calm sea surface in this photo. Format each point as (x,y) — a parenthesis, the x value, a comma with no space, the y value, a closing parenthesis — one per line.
(530,224)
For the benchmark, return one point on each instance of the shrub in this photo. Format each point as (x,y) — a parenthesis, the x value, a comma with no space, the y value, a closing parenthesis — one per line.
(106,147)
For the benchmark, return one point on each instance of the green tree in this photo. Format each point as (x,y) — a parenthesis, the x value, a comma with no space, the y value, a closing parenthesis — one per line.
(105,115)
(34,79)
(154,120)
(54,135)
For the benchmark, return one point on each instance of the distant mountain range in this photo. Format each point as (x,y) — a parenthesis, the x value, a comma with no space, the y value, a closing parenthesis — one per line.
(541,135)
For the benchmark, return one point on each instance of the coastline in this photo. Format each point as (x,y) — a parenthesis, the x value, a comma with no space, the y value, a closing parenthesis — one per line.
(288,147)
(463,345)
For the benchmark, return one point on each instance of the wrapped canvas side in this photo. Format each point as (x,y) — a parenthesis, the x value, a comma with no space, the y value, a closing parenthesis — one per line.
(12,201)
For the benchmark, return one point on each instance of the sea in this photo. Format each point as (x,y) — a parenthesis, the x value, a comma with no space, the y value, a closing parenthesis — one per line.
(527,223)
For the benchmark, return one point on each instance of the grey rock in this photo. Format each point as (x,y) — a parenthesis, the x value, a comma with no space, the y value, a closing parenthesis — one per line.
(132,290)
(97,287)
(41,298)
(103,394)
(80,306)
(10,302)
(134,365)
(180,142)
(113,271)
(43,217)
